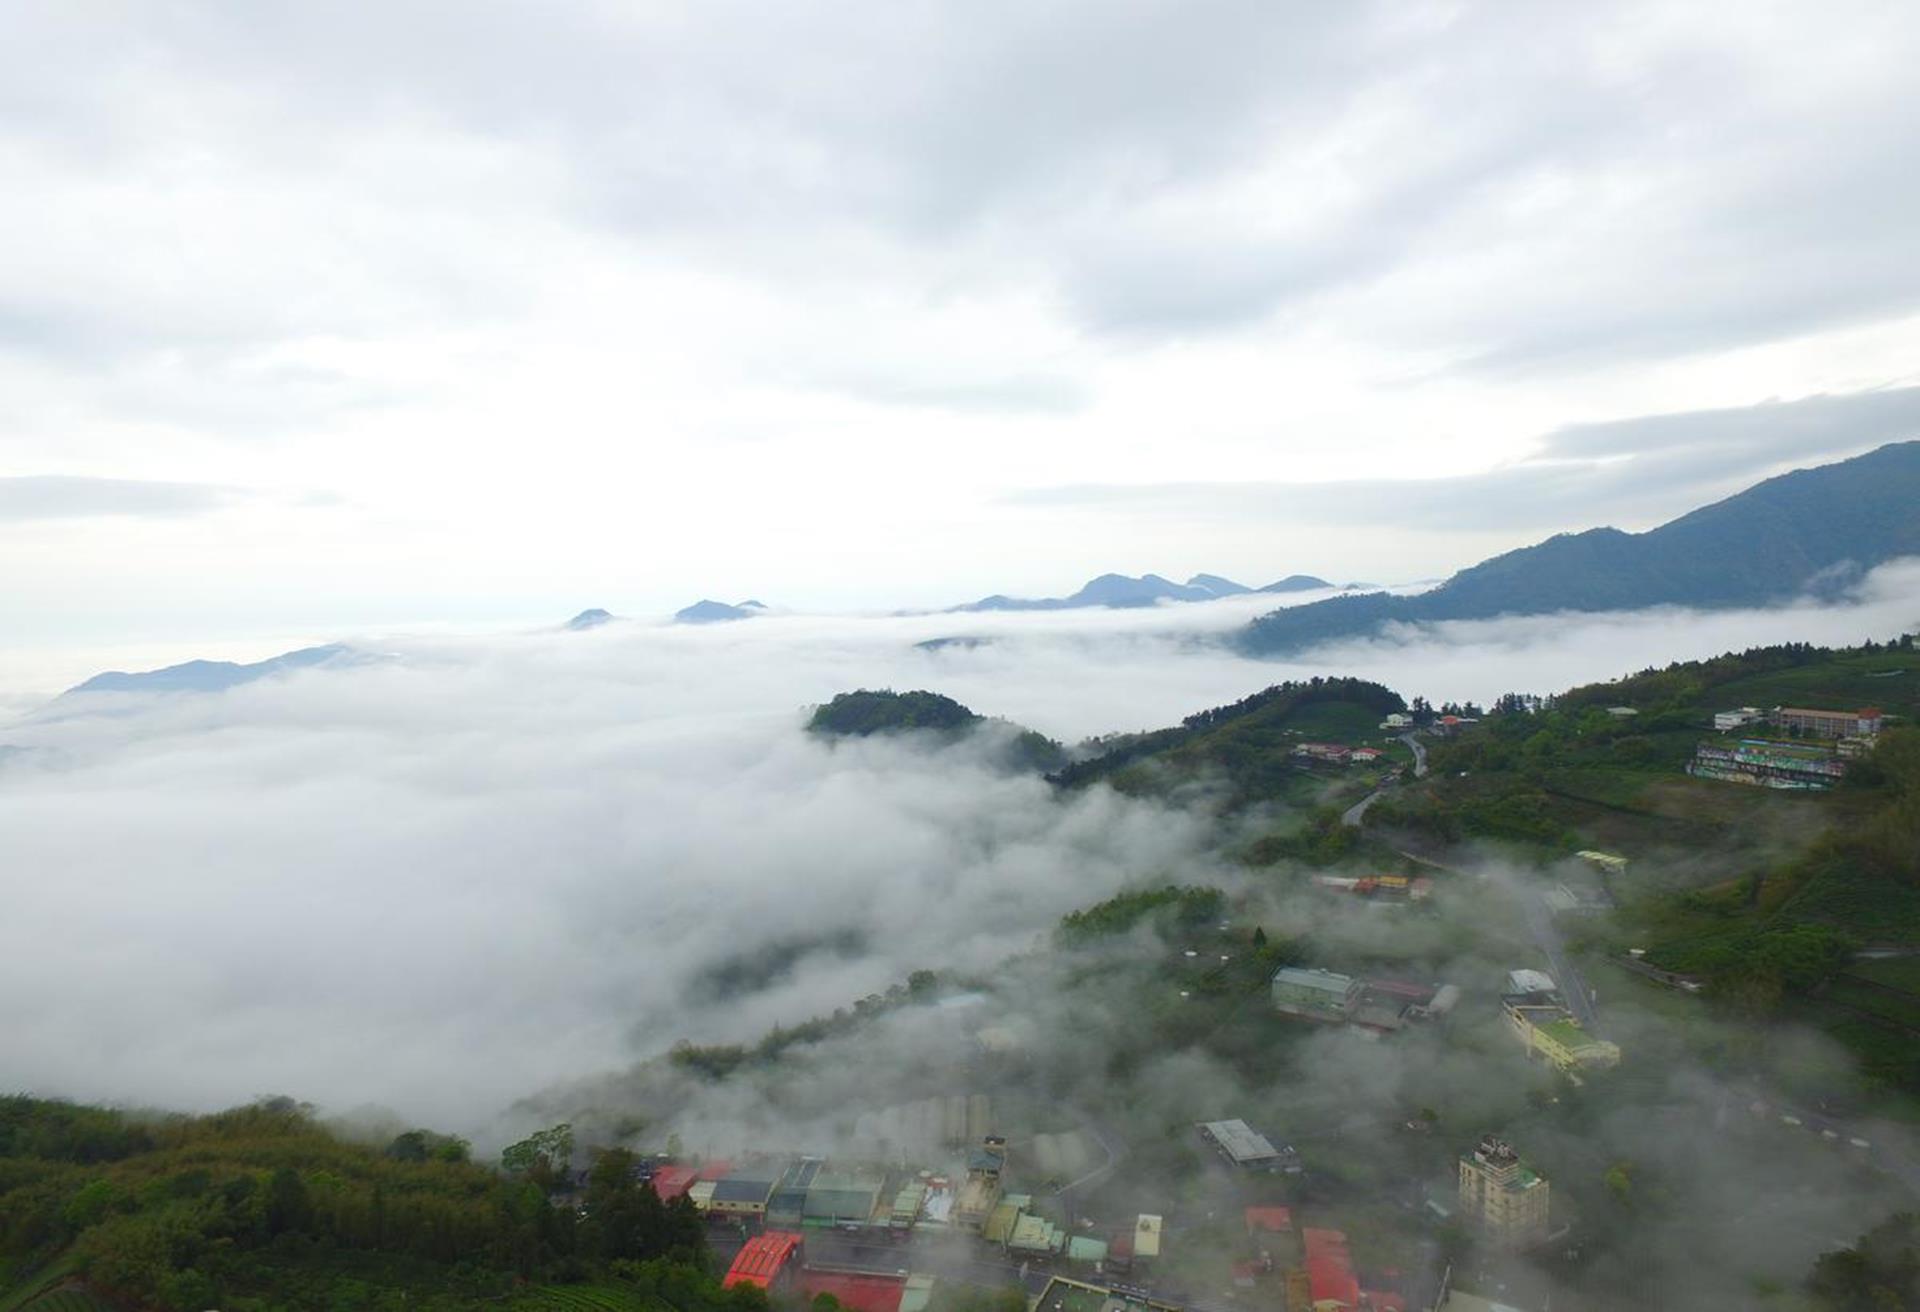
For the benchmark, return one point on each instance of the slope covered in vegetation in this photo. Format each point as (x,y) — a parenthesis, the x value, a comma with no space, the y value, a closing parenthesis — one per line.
(1249,743)
(262,1208)
(1765,896)
(868,711)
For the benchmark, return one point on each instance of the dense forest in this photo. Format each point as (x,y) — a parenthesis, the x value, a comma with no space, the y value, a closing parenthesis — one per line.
(867,711)
(263,1208)
(870,711)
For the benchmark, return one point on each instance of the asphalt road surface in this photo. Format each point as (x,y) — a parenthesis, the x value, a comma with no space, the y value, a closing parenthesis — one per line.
(1412,740)
(1573,986)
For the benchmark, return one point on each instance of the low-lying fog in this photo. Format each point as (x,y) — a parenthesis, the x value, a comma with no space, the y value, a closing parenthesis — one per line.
(480,867)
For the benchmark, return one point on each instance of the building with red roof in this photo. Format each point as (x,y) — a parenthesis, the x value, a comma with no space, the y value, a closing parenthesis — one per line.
(1331,1284)
(669,1182)
(859,1291)
(1273,1220)
(764,1260)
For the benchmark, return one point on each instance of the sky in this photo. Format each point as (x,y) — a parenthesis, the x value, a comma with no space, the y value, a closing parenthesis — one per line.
(314,322)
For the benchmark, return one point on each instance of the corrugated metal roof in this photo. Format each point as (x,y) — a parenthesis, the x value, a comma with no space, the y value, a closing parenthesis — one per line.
(669,1182)
(1330,1277)
(1082,1249)
(1000,1223)
(741,1189)
(852,1204)
(761,1259)
(1240,1140)
(1324,981)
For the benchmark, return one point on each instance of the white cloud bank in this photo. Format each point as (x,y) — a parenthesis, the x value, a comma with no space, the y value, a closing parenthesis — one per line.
(487,866)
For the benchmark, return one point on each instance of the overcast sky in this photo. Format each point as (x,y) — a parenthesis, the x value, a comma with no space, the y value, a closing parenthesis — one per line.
(316,316)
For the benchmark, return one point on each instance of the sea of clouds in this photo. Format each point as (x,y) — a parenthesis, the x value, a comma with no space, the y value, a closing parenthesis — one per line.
(479,866)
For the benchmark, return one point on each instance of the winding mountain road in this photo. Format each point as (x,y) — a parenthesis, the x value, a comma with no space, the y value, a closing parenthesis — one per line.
(1356,814)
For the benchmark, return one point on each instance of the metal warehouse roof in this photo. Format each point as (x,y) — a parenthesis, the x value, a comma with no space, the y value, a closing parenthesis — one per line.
(1240,1140)
(742,1189)
(1324,980)
(1530,981)
(840,1198)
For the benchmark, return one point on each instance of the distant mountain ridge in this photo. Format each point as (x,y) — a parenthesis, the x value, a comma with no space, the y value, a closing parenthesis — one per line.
(1123,591)
(708,611)
(1811,530)
(209,676)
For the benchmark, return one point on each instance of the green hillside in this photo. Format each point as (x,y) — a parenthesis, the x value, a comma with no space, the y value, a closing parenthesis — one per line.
(1248,745)
(261,1208)
(869,711)
(1763,894)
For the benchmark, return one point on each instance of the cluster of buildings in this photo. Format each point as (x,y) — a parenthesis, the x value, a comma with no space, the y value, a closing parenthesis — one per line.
(1443,725)
(1313,1269)
(1799,767)
(1390,889)
(1841,736)
(1336,754)
(799,1194)
(1307,1270)
(1375,1006)
(778,1202)
(1538,1016)
(1502,1198)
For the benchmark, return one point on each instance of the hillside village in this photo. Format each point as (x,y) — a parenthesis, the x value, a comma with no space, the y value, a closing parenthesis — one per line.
(1252,1204)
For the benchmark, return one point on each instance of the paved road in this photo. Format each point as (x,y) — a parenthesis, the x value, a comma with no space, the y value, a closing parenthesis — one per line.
(1887,1149)
(1546,934)
(1419,750)
(1355,814)
(1110,1143)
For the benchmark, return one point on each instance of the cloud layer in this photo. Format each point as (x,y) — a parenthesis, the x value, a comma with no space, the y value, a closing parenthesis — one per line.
(484,866)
